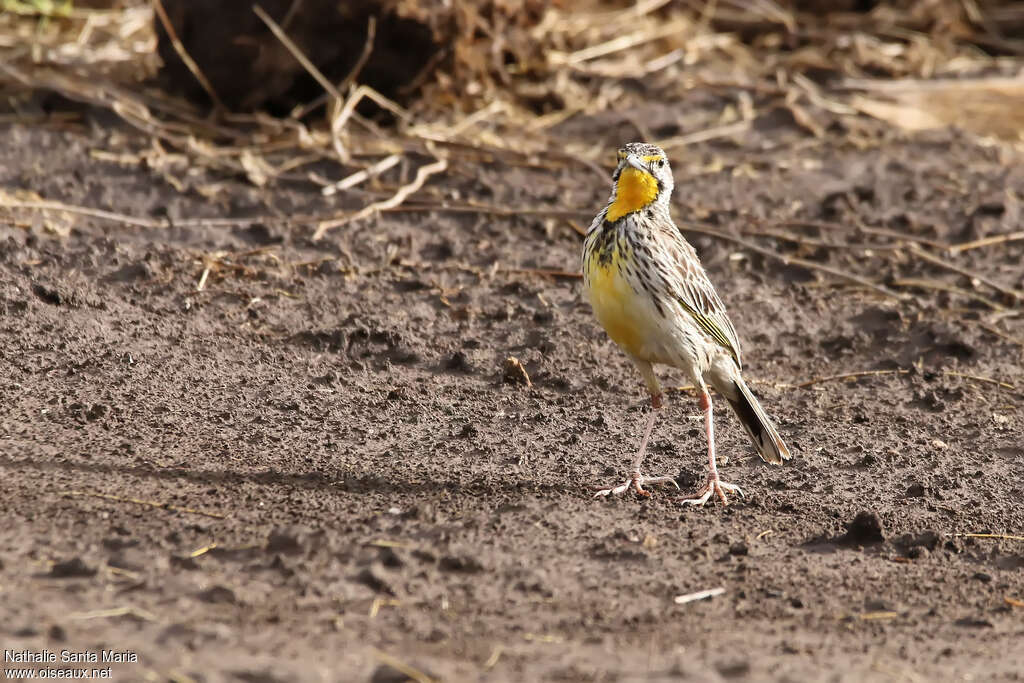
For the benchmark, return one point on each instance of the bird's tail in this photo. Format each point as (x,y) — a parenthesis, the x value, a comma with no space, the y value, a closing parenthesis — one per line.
(759,427)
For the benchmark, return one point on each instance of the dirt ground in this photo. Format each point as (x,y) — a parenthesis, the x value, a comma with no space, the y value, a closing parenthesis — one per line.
(349,488)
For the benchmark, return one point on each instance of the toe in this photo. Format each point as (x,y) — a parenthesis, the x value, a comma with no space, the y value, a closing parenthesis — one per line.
(698,501)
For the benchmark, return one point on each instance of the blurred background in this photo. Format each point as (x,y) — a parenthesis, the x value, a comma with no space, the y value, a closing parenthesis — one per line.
(256,91)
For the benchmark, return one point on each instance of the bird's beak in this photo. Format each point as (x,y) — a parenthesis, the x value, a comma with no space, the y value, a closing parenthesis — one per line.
(634,161)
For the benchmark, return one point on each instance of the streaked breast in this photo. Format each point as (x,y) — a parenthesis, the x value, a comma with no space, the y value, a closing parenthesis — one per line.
(621,311)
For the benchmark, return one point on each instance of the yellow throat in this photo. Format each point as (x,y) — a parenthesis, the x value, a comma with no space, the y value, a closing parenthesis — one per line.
(635,190)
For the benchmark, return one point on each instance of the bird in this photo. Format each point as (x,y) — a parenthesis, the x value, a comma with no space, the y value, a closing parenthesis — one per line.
(651,294)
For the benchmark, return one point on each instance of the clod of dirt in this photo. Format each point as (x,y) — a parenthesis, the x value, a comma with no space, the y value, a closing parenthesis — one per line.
(218,595)
(260,234)
(113,543)
(390,558)
(878,606)
(460,563)
(973,622)
(424,556)
(410,284)
(929,400)
(386,673)
(288,540)
(325,380)
(65,295)
(184,562)
(458,362)
(915,490)
(330,268)
(543,316)
(373,578)
(739,669)
(927,539)
(49,295)
(865,529)
(72,569)
(96,412)
(515,373)
(131,272)
(869,460)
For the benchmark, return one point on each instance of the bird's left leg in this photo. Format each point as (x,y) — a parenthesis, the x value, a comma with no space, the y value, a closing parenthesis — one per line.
(714,485)
(636,479)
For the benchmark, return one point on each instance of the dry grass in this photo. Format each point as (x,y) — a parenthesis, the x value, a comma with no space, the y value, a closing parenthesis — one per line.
(507,72)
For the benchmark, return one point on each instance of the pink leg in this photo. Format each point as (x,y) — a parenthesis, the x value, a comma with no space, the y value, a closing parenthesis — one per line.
(709,431)
(714,485)
(636,479)
(634,473)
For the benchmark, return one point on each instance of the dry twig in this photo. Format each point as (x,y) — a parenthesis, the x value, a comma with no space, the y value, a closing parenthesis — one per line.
(364,56)
(422,174)
(846,375)
(699,595)
(404,668)
(158,5)
(127,611)
(939,286)
(935,260)
(986,242)
(788,260)
(361,176)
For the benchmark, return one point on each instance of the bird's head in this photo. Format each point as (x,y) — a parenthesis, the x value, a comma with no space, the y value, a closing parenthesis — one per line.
(642,179)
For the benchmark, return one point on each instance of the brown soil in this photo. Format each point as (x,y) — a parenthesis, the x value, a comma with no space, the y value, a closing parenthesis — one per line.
(350,486)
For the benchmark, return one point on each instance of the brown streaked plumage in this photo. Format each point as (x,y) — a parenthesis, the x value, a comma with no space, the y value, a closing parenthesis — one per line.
(653,297)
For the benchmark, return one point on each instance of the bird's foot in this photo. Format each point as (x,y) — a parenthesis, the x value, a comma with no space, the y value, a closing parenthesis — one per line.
(714,486)
(637,481)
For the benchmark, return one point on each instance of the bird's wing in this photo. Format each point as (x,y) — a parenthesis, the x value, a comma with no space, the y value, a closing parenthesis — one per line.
(695,293)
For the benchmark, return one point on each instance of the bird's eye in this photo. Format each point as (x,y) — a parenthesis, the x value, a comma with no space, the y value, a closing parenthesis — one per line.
(659,163)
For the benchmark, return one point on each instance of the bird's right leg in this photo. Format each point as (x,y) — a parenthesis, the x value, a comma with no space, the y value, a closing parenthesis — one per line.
(636,479)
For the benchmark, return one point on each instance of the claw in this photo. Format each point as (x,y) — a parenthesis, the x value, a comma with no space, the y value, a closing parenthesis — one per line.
(637,481)
(714,486)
